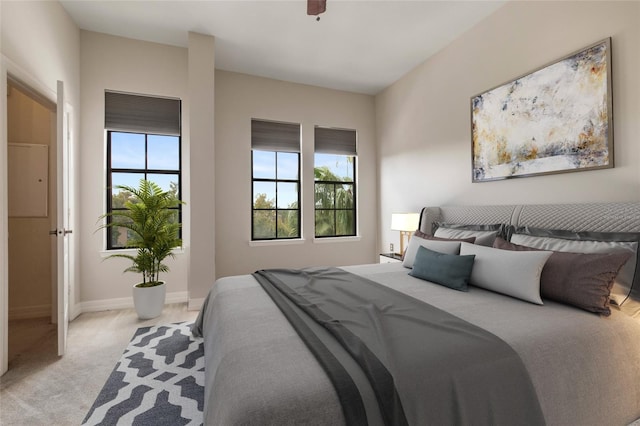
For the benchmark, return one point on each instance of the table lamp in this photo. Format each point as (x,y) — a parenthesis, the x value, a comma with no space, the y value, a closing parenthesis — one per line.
(406,223)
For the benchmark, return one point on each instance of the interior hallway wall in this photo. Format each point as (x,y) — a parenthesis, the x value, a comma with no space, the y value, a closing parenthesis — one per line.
(30,245)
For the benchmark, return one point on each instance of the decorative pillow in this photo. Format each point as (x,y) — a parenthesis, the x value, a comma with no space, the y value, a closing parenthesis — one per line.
(583,280)
(626,287)
(513,273)
(447,247)
(448,270)
(484,234)
(419,233)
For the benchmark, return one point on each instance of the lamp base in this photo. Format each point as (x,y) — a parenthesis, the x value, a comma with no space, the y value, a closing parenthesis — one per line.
(402,235)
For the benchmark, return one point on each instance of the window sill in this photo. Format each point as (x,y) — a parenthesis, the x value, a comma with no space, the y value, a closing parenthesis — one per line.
(327,240)
(261,243)
(107,253)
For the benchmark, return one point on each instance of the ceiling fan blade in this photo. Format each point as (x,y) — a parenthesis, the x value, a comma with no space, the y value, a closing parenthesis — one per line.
(316,7)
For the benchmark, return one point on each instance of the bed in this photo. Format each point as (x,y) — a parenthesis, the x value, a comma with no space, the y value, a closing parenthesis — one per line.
(584,367)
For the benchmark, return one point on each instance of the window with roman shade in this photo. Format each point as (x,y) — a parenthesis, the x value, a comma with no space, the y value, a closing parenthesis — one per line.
(275,158)
(335,182)
(143,142)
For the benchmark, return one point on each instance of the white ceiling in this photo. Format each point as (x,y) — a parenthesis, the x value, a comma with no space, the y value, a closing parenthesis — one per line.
(360,46)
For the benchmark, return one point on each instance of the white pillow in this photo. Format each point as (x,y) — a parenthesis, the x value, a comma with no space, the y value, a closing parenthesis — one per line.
(624,279)
(446,247)
(513,273)
(483,238)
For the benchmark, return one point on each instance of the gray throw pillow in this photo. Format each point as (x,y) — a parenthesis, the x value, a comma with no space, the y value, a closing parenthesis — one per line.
(441,246)
(583,280)
(449,270)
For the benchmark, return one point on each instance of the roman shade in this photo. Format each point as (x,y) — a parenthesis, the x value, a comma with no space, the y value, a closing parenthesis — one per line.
(275,136)
(335,141)
(126,112)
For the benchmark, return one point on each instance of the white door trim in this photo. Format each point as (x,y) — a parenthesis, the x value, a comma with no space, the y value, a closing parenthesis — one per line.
(62,212)
(8,67)
(4,226)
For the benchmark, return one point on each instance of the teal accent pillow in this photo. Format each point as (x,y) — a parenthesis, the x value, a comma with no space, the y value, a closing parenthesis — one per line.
(449,270)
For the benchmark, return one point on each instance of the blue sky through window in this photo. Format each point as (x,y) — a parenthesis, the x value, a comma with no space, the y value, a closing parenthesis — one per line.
(287,195)
(264,164)
(337,164)
(128,152)
(163,152)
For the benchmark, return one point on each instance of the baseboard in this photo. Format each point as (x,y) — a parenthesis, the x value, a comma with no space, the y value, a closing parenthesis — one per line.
(127,302)
(74,310)
(195,304)
(27,312)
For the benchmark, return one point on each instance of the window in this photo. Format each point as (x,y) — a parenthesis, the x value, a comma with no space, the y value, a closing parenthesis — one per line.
(143,142)
(335,182)
(275,158)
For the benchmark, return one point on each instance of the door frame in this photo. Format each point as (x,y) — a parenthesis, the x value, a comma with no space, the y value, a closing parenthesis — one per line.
(9,68)
(63,226)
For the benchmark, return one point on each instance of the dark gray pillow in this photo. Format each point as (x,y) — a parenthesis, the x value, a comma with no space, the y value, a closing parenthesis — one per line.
(626,288)
(484,234)
(419,233)
(448,270)
(583,280)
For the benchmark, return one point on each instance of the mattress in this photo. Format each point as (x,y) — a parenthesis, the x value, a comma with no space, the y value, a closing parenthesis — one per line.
(585,368)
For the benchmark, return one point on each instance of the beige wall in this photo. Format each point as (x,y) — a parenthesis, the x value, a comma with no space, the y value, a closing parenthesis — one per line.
(116,63)
(421,124)
(202,268)
(423,130)
(40,45)
(239,98)
(30,245)
(217,189)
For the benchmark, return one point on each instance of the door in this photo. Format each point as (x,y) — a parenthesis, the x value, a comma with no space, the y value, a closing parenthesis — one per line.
(62,231)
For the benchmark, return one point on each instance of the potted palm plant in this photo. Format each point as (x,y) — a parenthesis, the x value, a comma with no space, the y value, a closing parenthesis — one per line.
(153,231)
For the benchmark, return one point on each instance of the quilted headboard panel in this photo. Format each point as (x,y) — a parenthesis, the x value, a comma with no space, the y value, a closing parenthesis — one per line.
(597,217)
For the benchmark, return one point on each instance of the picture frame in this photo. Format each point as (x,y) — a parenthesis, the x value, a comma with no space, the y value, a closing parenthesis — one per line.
(555,119)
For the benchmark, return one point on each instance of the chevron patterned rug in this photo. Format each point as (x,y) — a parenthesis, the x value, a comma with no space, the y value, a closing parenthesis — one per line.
(159,380)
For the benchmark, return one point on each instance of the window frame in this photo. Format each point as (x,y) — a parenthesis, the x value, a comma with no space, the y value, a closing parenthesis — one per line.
(276,180)
(340,142)
(144,173)
(335,210)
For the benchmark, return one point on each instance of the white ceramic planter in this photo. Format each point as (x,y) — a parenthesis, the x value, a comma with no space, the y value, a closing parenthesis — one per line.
(149,301)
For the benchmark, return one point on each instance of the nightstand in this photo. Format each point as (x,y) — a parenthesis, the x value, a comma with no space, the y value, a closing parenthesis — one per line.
(390,258)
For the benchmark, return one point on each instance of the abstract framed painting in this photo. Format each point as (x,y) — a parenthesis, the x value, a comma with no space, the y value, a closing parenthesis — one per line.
(556,119)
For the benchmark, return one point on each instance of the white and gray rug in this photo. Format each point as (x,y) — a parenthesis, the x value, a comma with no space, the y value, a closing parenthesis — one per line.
(159,380)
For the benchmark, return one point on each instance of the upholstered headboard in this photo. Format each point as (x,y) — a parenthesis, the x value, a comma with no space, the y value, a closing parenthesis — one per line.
(620,221)
(595,217)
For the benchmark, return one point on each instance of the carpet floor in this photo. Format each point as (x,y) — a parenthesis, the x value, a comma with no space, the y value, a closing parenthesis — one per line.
(159,380)
(41,388)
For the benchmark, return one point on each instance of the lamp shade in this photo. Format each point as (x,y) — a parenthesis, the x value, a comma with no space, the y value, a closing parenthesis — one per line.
(405,221)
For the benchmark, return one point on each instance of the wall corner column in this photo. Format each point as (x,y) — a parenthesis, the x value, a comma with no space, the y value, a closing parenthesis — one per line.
(201,90)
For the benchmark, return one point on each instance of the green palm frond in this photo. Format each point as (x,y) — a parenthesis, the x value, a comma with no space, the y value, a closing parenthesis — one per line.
(153,231)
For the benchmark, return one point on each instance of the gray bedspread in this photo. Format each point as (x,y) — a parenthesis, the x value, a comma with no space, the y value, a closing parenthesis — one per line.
(585,368)
(426,366)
